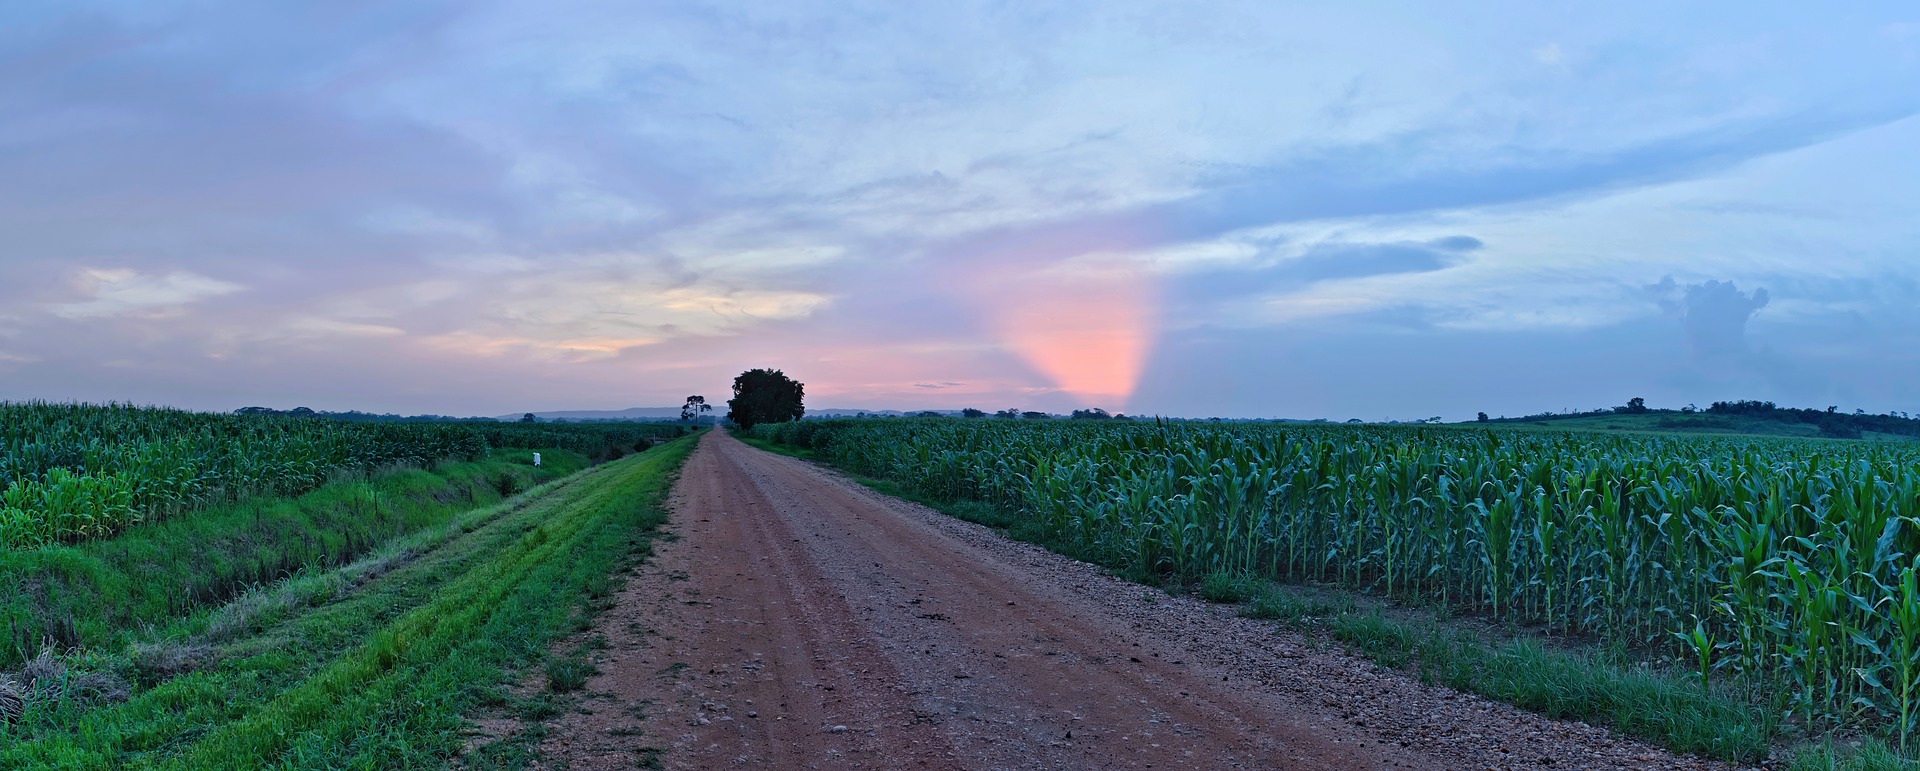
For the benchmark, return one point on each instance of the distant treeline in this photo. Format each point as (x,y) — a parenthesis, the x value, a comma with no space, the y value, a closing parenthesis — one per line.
(1831,422)
(599,440)
(356,416)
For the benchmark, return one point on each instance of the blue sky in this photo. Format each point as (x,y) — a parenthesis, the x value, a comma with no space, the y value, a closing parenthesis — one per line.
(1259,209)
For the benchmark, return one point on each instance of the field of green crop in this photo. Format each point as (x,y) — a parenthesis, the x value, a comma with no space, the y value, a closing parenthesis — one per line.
(1783,562)
(188,590)
(378,662)
(70,472)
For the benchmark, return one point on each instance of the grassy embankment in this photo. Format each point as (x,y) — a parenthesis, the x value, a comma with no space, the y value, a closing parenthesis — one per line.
(95,593)
(1557,676)
(374,663)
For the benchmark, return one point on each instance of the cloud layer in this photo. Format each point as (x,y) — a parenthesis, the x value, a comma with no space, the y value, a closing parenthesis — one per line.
(1235,209)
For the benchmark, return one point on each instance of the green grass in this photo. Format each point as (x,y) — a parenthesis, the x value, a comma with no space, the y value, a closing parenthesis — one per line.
(1865,755)
(94,593)
(1222,586)
(1271,603)
(566,674)
(379,668)
(1665,706)
(1661,705)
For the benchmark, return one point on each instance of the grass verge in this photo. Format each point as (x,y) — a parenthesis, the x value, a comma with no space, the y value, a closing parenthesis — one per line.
(384,675)
(1861,755)
(1560,683)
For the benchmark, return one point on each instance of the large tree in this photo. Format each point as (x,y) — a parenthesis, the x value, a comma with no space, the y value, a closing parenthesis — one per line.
(765,396)
(695,407)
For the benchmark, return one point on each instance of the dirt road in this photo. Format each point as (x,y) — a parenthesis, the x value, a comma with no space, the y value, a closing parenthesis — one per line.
(802,621)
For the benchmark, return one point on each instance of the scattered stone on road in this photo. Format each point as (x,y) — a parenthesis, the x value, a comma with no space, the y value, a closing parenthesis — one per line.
(825,605)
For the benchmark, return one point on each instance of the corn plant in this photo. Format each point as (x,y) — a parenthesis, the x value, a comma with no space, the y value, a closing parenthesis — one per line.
(75,471)
(1785,560)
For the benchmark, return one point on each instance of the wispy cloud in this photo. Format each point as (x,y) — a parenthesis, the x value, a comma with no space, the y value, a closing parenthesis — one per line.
(122,292)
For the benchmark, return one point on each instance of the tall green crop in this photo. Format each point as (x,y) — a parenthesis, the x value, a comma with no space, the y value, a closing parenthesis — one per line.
(1782,559)
(75,471)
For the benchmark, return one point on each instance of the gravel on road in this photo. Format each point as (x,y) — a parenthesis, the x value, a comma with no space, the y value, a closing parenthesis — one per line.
(794,619)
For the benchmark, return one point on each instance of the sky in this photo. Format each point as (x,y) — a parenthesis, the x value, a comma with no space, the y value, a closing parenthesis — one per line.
(1343,209)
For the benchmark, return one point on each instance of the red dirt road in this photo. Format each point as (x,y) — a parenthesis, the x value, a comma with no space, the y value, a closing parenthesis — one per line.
(802,621)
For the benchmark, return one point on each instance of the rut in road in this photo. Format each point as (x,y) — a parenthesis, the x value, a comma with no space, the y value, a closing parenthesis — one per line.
(802,621)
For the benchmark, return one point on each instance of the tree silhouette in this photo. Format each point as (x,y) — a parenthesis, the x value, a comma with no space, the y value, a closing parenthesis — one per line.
(765,396)
(695,407)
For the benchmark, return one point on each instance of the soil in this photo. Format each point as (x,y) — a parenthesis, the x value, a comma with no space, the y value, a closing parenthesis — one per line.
(798,620)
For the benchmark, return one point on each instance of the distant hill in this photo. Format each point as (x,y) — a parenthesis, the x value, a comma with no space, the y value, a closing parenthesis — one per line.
(630,413)
(838,412)
(1746,417)
(719,410)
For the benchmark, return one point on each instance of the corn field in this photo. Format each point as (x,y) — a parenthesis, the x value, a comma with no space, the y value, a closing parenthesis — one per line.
(73,471)
(1783,562)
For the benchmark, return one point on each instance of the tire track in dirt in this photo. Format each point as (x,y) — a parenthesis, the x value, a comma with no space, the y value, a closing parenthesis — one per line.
(801,621)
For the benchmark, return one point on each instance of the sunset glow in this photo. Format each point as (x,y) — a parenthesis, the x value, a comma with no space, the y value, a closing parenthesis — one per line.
(1085,326)
(1091,341)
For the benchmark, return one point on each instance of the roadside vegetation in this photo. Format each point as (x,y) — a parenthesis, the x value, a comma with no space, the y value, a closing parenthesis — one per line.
(71,472)
(374,653)
(1721,596)
(100,593)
